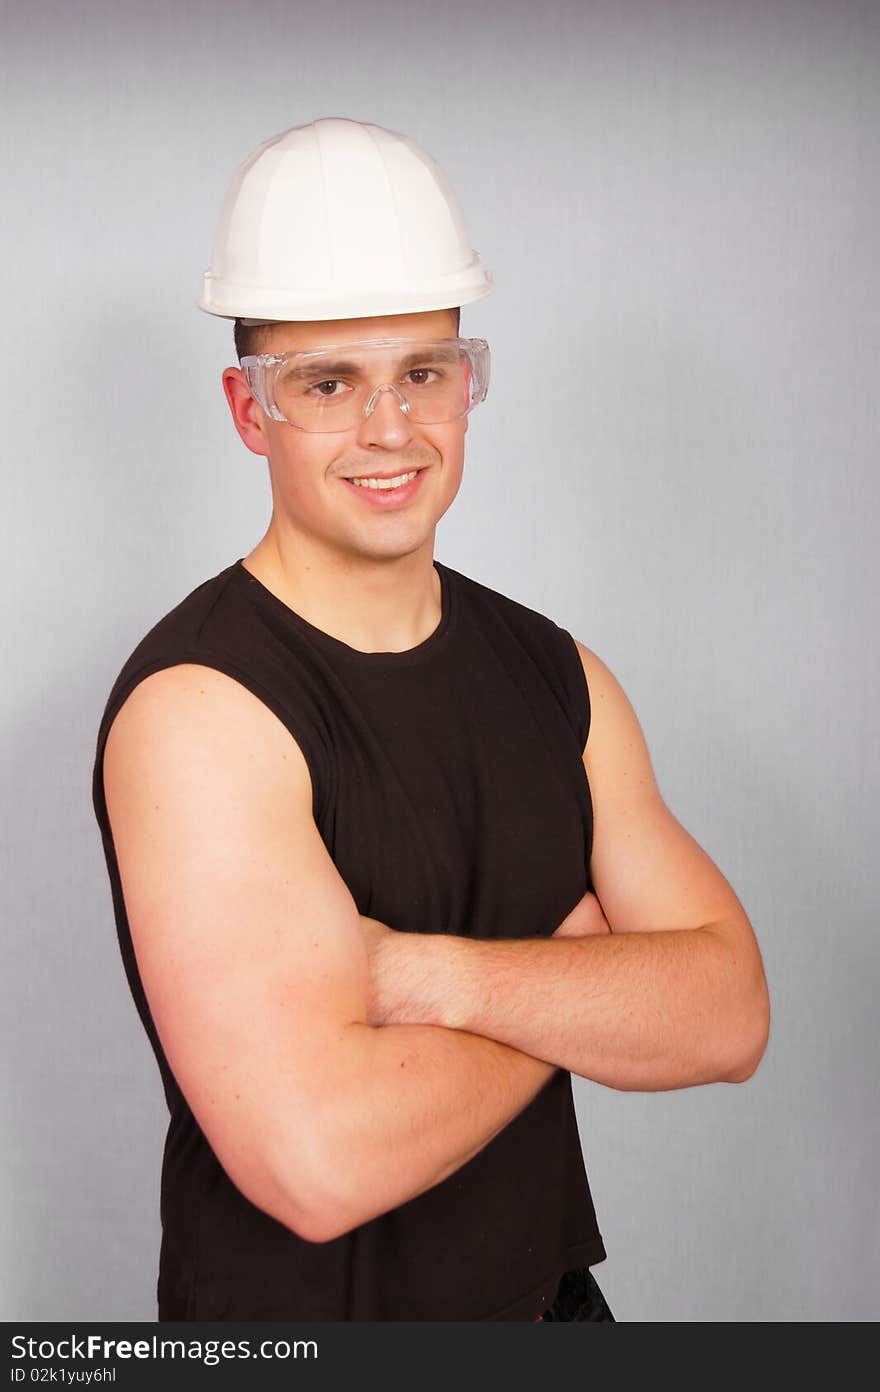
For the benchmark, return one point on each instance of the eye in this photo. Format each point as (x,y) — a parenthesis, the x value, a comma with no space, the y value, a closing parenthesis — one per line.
(421,374)
(331,382)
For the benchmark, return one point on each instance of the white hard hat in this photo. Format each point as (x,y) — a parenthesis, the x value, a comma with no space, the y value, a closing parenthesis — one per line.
(340,219)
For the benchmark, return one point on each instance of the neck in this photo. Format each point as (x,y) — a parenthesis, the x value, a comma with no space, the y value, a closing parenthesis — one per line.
(373,604)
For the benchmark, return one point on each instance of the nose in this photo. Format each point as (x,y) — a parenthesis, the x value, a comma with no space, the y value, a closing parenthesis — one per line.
(388,387)
(385,421)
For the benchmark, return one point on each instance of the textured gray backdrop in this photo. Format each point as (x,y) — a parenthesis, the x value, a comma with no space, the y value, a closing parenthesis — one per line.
(677,460)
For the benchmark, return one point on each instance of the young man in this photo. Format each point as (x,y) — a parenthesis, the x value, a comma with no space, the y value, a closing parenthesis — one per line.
(388,858)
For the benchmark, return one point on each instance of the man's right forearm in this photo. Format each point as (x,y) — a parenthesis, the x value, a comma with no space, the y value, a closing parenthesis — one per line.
(412,1104)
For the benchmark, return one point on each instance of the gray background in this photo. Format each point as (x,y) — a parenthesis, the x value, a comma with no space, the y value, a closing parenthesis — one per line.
(677,461)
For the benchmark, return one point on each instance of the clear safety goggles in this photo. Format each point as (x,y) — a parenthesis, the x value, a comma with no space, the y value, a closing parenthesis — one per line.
(334,387)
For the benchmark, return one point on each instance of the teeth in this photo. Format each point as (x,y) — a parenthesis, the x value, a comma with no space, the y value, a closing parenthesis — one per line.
(384,483)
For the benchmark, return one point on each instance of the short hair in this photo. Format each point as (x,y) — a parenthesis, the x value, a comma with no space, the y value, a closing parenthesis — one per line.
(251,338)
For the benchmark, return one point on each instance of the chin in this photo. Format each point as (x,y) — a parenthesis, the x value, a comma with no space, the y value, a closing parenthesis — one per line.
(395,548)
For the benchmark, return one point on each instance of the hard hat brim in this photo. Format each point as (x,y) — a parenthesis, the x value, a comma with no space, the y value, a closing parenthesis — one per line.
(229,301)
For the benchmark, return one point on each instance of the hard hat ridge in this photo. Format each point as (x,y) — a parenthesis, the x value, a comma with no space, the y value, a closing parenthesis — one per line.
(340,219)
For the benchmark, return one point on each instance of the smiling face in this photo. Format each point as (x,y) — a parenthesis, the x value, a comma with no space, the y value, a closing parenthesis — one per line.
(314,500)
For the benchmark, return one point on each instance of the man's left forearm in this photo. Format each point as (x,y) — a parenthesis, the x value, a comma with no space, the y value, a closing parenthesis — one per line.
(635,1011)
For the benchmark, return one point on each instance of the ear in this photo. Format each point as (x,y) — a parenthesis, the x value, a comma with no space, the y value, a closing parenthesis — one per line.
(247,414)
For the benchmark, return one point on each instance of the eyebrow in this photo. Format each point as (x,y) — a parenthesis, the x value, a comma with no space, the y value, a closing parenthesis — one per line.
(339,368)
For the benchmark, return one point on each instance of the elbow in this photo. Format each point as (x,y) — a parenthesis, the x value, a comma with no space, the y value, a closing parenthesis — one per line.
(299,1208)
(751,1037)
(326,1205)
(325,1225)
(300,1160)
(326,1218)
(342,1196)
(314,1228)
(288,1180)
(316,1220)
(744,1069)
(325,1199)
(313,1208)
(329,1168)
(292,1199)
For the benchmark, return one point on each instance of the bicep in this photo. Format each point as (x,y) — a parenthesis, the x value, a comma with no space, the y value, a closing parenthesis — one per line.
(247,940)
(648,871)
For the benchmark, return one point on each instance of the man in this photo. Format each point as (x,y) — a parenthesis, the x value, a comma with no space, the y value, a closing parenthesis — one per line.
(388,858)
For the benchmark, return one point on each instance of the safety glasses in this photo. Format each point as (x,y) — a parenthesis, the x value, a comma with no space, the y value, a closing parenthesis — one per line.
(334,387)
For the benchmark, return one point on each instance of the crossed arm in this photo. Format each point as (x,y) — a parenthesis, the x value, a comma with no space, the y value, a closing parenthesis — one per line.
(314,1046)
(666,989)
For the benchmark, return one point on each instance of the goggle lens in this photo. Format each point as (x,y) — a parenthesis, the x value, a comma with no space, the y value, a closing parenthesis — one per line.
(332,389)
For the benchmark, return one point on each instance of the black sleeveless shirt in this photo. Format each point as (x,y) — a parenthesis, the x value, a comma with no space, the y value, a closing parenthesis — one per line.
(449,789)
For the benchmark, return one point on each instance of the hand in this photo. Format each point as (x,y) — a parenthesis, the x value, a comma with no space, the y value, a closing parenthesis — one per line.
(376,934)
(379,939)
(585,920)
(401,989)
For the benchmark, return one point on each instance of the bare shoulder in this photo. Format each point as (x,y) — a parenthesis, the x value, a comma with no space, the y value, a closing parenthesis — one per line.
(194,759)
(649,872)
(187,711)
(616,747)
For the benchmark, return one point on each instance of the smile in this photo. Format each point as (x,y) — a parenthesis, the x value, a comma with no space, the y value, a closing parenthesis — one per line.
(383,482)
(387,492)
